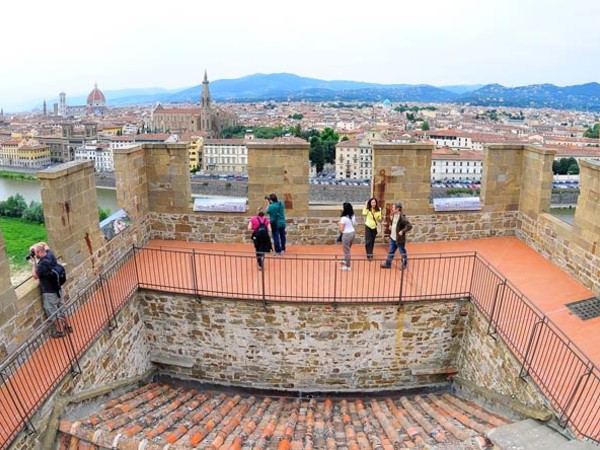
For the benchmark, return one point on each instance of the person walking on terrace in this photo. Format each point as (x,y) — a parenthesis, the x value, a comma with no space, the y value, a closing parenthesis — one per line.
(372,220)
(261,235)
(400,226)
(346,226)
(43,264)
(276,212)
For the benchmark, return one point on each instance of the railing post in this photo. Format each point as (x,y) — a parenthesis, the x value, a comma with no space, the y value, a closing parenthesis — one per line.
(194,276)
(493,311)
(401,291)
(475,259)
(531,346)
(137,274)
(110,313)
(564,416)
(335,275)
(74,371)
(17,402)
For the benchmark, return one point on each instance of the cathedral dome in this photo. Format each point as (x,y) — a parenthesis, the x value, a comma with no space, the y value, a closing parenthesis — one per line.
(96,97)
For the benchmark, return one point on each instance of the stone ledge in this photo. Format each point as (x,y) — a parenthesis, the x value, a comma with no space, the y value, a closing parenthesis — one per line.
(433,370)
(539,413)
(171,360)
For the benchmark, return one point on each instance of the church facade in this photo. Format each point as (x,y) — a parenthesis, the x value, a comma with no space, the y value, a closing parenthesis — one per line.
(208,118)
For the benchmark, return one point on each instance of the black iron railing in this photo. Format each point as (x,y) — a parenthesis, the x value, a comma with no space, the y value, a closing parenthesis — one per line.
(566,377)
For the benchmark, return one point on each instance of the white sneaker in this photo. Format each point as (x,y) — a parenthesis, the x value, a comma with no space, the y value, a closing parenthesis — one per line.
(346,268)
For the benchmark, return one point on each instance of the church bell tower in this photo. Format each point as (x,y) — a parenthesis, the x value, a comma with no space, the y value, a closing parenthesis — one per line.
(206,106)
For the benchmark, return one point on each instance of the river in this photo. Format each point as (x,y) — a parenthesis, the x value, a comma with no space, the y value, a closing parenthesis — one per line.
(30,190)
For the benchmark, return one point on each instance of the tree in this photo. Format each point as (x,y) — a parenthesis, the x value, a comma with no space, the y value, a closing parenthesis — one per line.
(565,166)
(316,153)
(329,138)
(13,206)
(592,132)
(425,126)
(34,213)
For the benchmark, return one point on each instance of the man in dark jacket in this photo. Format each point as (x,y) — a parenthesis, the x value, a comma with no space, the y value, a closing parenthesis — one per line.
(42,269)
(400,226)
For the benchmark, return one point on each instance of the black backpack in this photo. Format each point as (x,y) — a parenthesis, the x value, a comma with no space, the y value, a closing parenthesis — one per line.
(60,272)
(262,232)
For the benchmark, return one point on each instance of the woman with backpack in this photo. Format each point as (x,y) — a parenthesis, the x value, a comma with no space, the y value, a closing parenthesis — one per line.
(261,235)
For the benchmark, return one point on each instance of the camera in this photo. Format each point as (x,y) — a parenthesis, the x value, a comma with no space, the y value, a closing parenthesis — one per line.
(31,255)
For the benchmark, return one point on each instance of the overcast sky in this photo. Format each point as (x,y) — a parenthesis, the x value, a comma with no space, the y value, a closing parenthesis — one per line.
(68,45)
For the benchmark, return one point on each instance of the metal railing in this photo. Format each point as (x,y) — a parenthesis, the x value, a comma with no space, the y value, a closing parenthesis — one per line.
(563,373)
(566,377)
(23,387)
(303,278)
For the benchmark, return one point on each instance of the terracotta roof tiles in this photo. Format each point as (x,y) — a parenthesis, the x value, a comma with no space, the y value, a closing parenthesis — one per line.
(164,416)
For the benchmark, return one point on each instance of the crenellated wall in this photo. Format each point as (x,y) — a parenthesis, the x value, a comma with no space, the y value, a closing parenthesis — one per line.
(153,187)
(402,173)
(574,248)
(280,168)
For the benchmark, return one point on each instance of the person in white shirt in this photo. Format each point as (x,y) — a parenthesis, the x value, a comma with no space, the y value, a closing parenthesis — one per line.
(347,228)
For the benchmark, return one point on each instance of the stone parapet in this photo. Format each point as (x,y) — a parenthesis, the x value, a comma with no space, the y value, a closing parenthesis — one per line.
(168,177)
(131,181)
(586,224)
(557,242)
(280,168)
(536,185)
(501,177)
(320,227)
(402,173)
(71,211)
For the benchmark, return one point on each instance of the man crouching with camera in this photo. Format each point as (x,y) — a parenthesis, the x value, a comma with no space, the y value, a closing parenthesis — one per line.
(42,268)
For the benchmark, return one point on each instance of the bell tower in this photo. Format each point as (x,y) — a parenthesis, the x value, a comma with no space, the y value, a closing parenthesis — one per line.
(206,106)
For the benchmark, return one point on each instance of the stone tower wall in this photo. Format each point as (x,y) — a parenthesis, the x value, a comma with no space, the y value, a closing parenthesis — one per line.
(281,169)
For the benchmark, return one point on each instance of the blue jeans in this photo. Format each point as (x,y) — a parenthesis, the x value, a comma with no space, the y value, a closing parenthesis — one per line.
(278,238)
(393,247)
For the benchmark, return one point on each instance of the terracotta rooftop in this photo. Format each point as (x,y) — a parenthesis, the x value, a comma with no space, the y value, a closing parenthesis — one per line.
(164,416)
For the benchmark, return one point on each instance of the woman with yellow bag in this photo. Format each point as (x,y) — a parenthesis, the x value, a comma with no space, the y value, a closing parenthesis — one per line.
(372,220)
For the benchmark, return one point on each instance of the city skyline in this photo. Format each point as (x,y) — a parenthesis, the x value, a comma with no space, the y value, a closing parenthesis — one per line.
(133,45)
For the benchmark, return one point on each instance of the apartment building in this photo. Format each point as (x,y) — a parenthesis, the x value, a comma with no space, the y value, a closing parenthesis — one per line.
(21,153)
(226,156)
(453,165)
(451,139)
(353,160)
(100,153)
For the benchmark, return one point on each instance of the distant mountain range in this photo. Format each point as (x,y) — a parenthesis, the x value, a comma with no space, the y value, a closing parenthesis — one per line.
(290,87)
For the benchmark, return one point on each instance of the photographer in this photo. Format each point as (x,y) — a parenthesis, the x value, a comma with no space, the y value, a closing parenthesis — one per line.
(42,264)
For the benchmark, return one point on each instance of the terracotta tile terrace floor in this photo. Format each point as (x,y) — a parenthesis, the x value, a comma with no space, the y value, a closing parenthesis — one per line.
(547,286)
(162,416)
